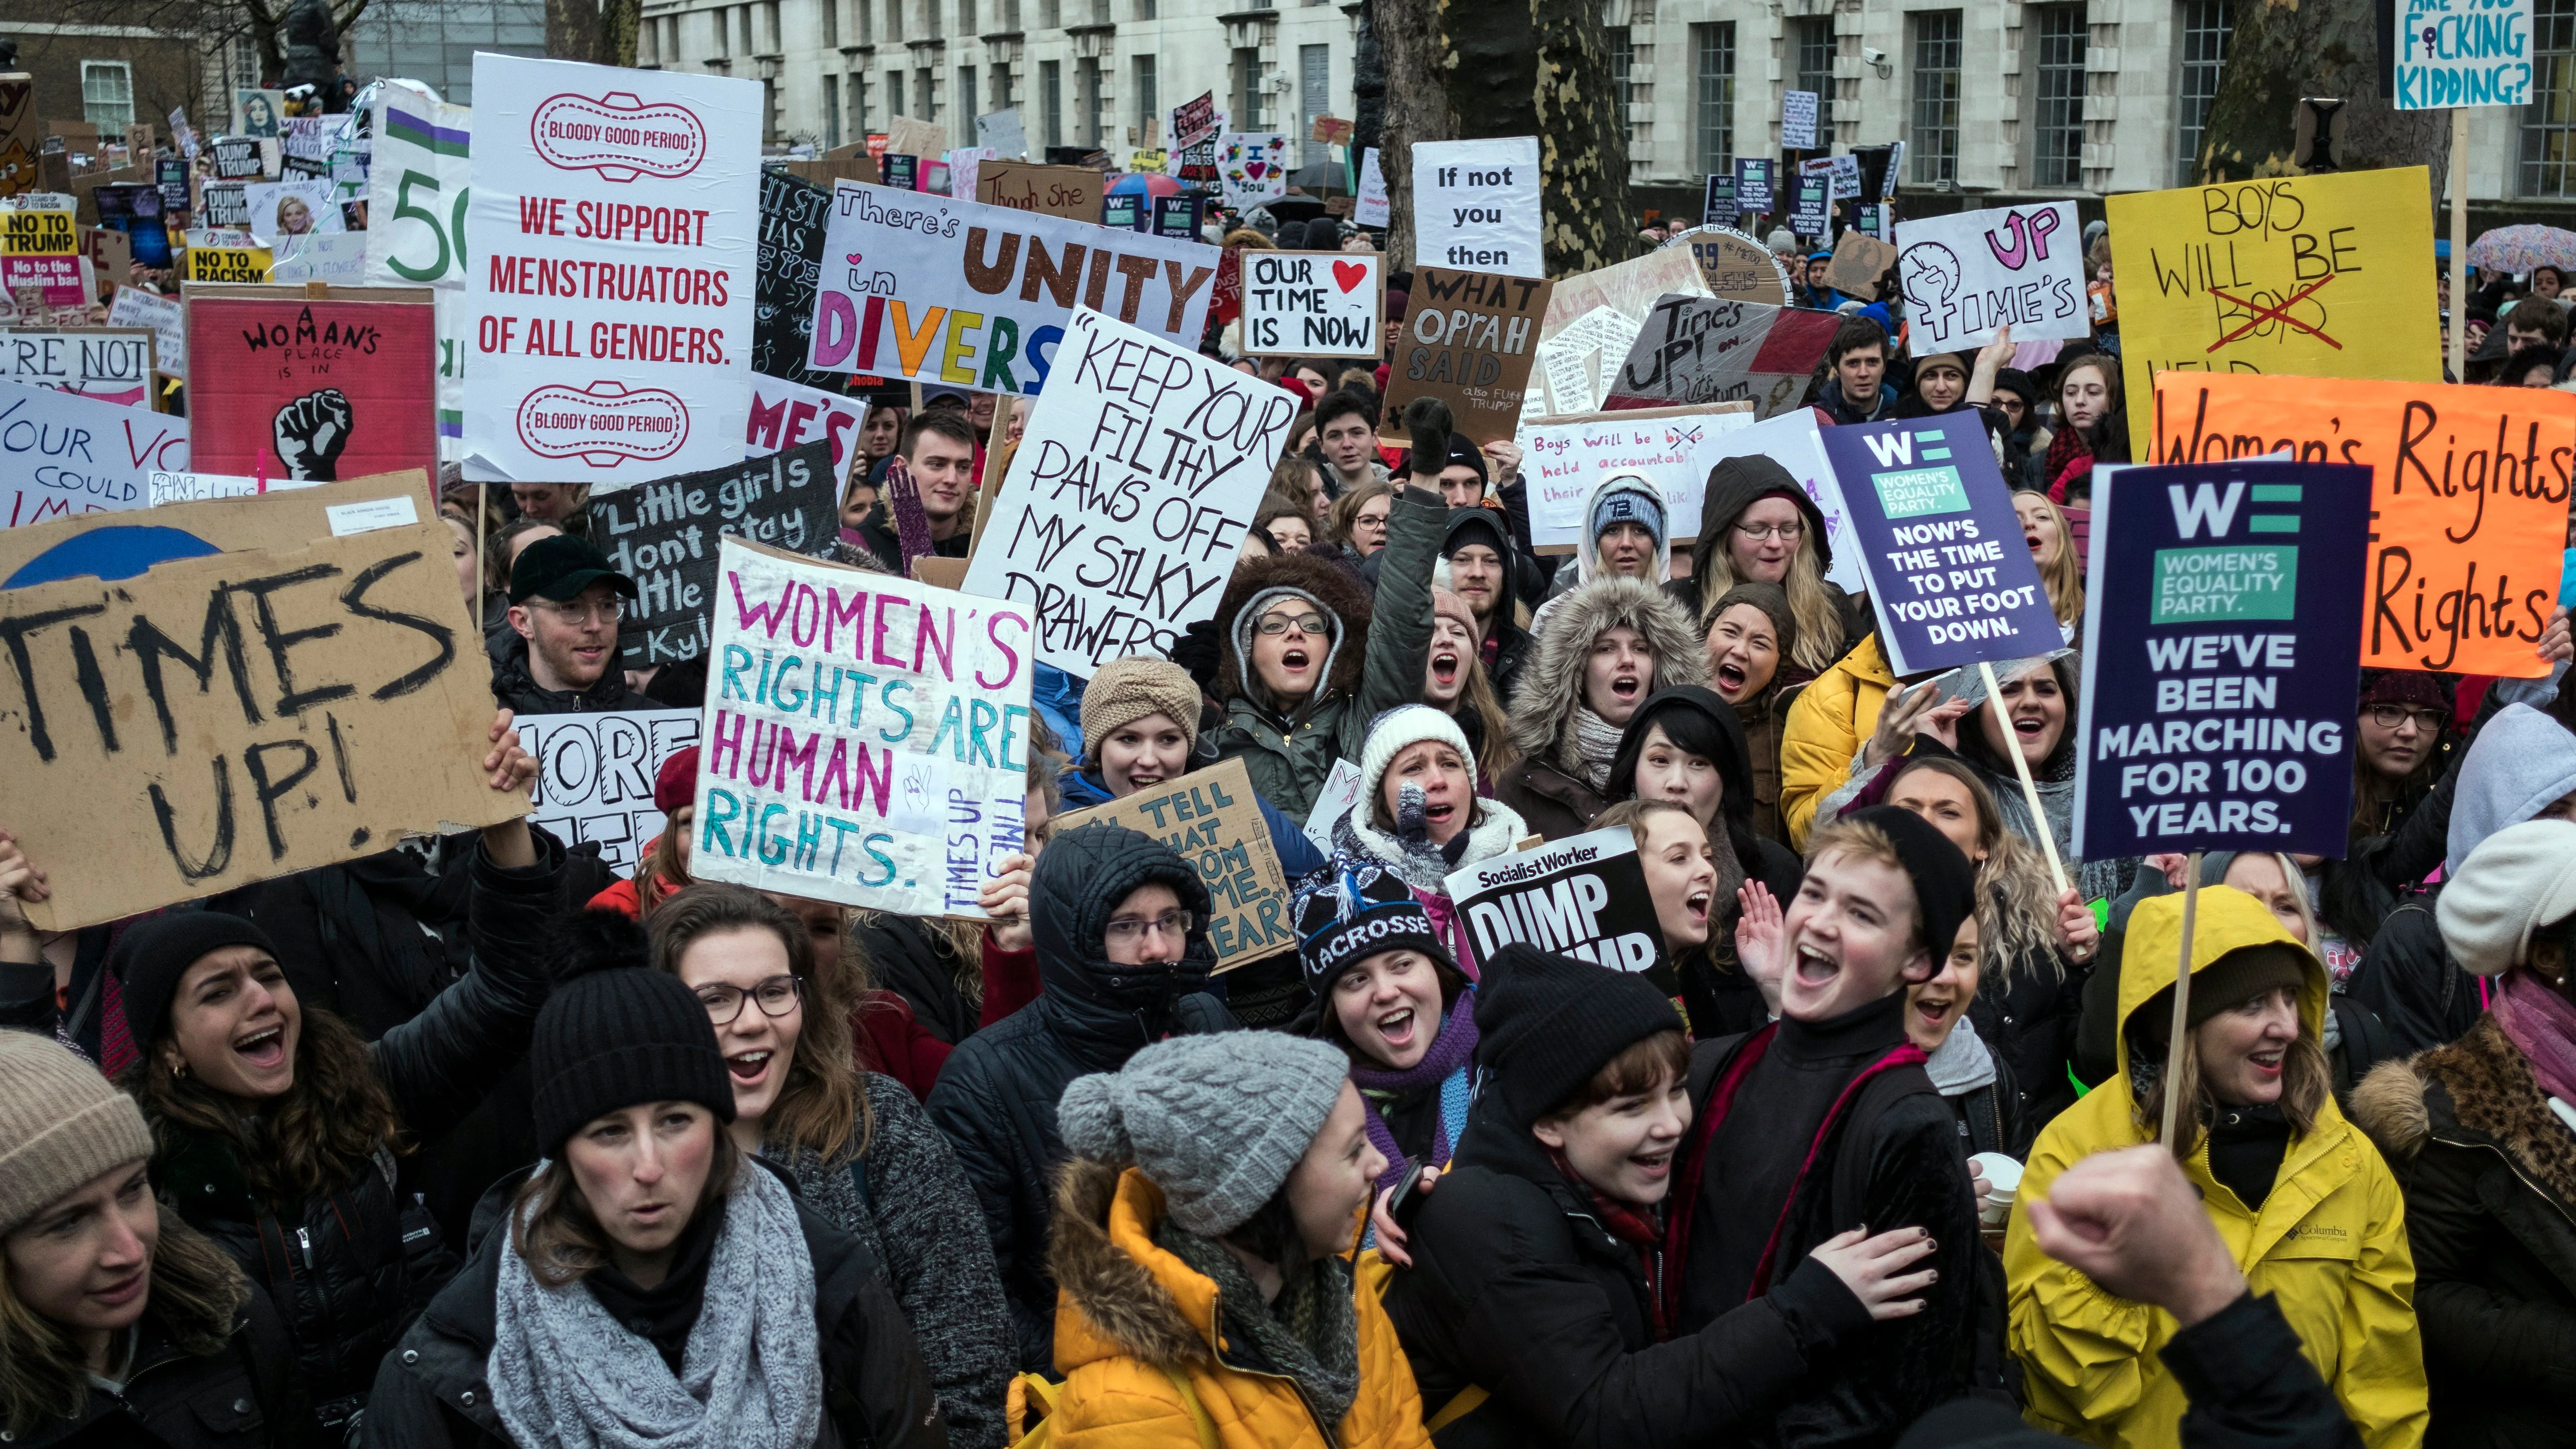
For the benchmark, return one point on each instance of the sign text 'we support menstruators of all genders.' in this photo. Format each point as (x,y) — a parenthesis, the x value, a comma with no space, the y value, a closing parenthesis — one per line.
(615,226)
(595,776)
(937,289)
(2317,276)
(1469,342)
(1584,896)
(1950,579)
(1212,819)
(1127,501)
(1710,349)
(62,454)
(2468,499)
(663,535)
(1969,273)
(2462,53)
(1477,204)
(2224,640)
(866,737)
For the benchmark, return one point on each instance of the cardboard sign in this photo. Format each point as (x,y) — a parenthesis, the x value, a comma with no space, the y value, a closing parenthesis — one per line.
(912,136)
(1583,896)
(1717,206)
(1860,259)
(1704,349)
(280,209)
(1330,130)
(866,737)
(1951,581)
(1252,166)
(2468,499)
(2462,53)
(1967,274)
(595,776)
(142,307)
(1313,304)
(160,771)
(794,215)
(940,290)
(62,454)
(227,256)
(1341,791)
(106,364)
(663,535)
(1563,457)
(1194,122)
(787,415)
(22,134)
(1128,499)
(40,248)
(2223,641)
(321,388)
(1212,819)
(1477,204)
(1735,266)
(1594,318)
(1469,340)
(1793,440)
(1798,121)
(1754,176)
(1071,192)
(1373,208)
(2252,277)
(1002,132)
(615,226)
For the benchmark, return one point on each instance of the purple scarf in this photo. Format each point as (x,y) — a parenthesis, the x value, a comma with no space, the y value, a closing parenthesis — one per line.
(1450,1052)
(2538,1021)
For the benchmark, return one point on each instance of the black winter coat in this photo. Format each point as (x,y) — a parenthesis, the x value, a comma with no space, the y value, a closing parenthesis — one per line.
(2407,977)
(517,689)
(913,959)
(2029,1016)
(243,1397)
(431,1392)
(349,1269)
(997,1096)
(1517,1286)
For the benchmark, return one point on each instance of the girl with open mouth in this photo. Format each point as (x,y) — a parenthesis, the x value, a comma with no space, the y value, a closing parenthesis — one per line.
(1752,636)
(1420,819)
(1456,682)
(1604,649)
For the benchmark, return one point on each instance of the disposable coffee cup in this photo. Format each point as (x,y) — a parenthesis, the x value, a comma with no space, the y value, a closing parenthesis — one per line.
(2003,1182)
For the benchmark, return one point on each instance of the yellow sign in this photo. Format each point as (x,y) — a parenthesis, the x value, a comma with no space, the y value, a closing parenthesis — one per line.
(1154,160)
(2319,276)
(228,264)
(28,233)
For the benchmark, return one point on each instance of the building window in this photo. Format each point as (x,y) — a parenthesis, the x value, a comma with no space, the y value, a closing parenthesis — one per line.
(1934,138)
(742,15)
(1149,104)
(1247,105)
(925,91)
(1050,14)
(2549,122)
(1086,99)
(860,120)
(965,17)
(1051,101)
(1623,87)
(831,24)
(831,114)
(2205,26)
(966,94)
(769,28)
(724,35)
(1315,98)
(894,93)
(107,93)
(934,20)
(867,22)
(1001,86)
(1145,9)
(2057,137)
(1814,38)
(1713,98)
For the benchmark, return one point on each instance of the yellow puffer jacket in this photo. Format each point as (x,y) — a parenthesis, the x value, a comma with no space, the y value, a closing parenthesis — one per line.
(1129,1315)
(1832,719)
(2328,1245)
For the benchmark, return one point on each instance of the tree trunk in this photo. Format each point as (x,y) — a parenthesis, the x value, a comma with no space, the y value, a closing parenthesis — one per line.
(2281,51)
(572,29)
(1417,59)
(619,23)
(1583,142)
(1368,86)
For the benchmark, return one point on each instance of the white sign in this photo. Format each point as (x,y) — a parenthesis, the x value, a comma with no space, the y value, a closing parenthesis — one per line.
(1798,121)
(1971,272)
(1312,304)
(787,414)
(965,165)
(112,367)
(143,307)
(1372,208)
(339,258)
(1477,204)
(62,455)
(1846,172)
(1129,495)
(595,776)
(280,210)
(1252,167)
(1001,132)
(1791,441)
(375,513)
(1333,802)
(2463,53)
(1578,365)
(166,487)
(1564,457)
(418,188)
(614,225)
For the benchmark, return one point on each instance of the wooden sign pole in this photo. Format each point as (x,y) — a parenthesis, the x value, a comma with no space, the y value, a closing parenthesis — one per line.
(2182,996)
(2029,787)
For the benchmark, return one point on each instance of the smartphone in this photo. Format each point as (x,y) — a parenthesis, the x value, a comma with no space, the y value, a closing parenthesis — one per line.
(1400,1206)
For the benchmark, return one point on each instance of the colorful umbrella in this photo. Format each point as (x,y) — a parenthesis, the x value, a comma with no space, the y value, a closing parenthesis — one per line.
(1144,183)
(2521,248)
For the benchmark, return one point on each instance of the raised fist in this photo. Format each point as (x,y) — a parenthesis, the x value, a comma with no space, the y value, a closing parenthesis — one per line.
(311,431)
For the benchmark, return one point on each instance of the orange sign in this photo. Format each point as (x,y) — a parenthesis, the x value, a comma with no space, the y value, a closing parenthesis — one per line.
(2468,498)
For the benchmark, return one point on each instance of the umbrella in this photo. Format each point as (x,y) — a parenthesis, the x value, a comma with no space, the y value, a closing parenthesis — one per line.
(2520,248)
(1144,183)
(1321,176)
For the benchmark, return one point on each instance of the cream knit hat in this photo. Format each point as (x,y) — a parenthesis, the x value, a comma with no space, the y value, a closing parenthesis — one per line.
(1127,690)
(61,1124)
(2518,880)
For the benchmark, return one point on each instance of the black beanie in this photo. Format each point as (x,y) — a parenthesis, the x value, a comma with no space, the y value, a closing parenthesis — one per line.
(618,1038)
(1545,1023)
(154,953)
(1463,453)
(1945,884)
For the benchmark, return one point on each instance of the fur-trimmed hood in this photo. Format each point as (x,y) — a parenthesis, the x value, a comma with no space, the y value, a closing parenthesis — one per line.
(1542,719)
(2488,1092)
(1343,597)
(1122,1295)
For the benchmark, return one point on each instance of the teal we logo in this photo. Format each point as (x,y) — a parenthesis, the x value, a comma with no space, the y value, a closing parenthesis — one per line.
(1921,481)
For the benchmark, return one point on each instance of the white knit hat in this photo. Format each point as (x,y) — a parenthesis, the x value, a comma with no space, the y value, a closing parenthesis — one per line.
(1407,724)
(2518,880)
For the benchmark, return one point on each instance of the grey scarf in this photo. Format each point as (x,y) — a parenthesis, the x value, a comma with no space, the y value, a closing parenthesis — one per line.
(1597,739)
(568,1376)
(1311,1334)
(1963,1064)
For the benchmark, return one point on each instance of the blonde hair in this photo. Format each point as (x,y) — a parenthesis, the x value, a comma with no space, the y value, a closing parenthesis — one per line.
(1869,845)
(1820,624)
(2016,905)
(2063,575)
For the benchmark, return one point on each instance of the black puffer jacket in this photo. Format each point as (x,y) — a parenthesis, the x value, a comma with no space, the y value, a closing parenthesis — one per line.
(350,1268)
(517,690)
(996,1098)
(1733,486)
(243,1395)
(2029,1014)
(1512,643)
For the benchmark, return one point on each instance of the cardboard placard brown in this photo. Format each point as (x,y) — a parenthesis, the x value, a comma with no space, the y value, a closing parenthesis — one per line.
(1737,267)
(270,520)
(1860,260)
(833,167)
(1469,341)
(347,706)
(111,252)
(906,136)
(1331,130)
(1072,192)
(1211,819)
(939,573)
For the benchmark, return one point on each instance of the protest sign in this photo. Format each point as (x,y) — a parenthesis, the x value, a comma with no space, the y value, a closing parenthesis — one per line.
(40,248)
(258,112)
(866,736)
(247,158)
(595,776)
(62,454)
(965,169)
(1129,496)
(144,786)
(1312,304)
(107,364)
(1974,271)
(1793,440)
(1002,133)
(313,387)
(788,415)
(2462,53)
(1581,896)
(111,251)
(280,209)
(663,535)
(1330,130)
(1124,211)
(1155,159)
(21,133)
(165,488)
(170,177)
(913,136)
(1798,121)
(1071,192)
(418,190)
(2223,639)
(1951,581)
(794,215)
(615,225)
(1753,184)
(2250,277)
(1707,349)
(937,289)
(1342,789)
(226,205)
(141,307)
(1252,166)
(1477,204)
(1717,205)
(1845,171)
(1735,266)
(1811,214)
(1373,209)
(2469,499)
(1176,218)
(1592,319)
(338,259)
(216,255)
(1469,341)
(1859,261)
(1563,457)
(1212,819)
(1194,122)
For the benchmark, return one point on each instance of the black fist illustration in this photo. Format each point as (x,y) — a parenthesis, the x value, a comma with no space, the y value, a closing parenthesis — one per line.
(311,431)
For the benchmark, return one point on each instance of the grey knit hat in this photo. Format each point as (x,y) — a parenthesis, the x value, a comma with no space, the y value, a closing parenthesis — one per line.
(61,1124)
(1216,1121)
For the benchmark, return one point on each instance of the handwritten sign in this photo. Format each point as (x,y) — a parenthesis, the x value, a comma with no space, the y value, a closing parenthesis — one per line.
(663,535)
(1969,273)
(866,737)
(1583,896)
(1468,340)
(794,215)
(1798,120)
(1312,304)
(142,307)
(595,776)
(1564,457)
(1705,349)
(1071,192)
(1212,819)
(1002,134)
(1372,208)
(1195,121)
(787,415)
(1252,167)
(1735,266)
(62,455)
(337,387)
(108,364)
(2463,53)
(1860,260)
(1477,205)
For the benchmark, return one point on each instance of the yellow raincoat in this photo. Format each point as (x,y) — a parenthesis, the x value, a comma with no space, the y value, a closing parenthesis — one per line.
(2328,1245)
(1827,725)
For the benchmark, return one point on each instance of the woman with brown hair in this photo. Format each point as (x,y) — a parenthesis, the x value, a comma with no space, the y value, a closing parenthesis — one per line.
(1360,519)
(2092,427)
(1455,683)
(862,1155)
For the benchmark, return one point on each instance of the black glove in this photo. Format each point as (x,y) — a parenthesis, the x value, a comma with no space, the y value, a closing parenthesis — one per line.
(1200,651)
(1427,419)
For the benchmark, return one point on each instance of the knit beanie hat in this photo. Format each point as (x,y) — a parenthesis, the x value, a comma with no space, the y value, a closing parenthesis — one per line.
(1395,729)
(61,1124)
(1217,1121)
(1463,453)
(677,785)
(2518,880)
(2408,686)
(1347,915)
(2017,382)
(154,953)
(1127,690)
(618,1036)
(2232,979)
(1545,1023)
(1945,884)
(1628,504)
(1956,362)
(1445,604)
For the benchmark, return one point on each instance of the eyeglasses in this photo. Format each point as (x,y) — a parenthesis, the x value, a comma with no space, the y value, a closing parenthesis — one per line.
(1373,522)
(1787,532)
(2390,716)
(1274,626)
(777,997)
(1175,924)
(607,612)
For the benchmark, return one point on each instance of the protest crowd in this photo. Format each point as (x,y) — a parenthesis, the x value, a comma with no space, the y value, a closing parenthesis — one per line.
(1465,861)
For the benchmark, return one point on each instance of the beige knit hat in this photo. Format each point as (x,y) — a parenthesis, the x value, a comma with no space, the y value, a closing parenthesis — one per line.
(1127,690)
(61,1124)
(1448,605)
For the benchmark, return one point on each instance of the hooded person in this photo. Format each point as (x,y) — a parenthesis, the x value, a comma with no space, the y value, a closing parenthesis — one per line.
(1759,526)
(2304,1202)
(2479,1129)
(1483,572)
(1123,952)
(2017,398)
(1456,683)
(1751,634)
(1627,533)
(1613,643)
(1420,817)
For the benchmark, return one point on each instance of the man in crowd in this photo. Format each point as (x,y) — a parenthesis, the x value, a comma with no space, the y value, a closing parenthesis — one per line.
(1854,388)
(565,505)
(1346,434)
(2535,322)
(564,609)
(939,448)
